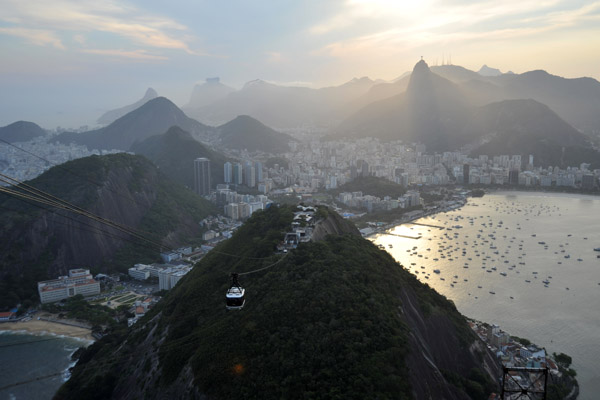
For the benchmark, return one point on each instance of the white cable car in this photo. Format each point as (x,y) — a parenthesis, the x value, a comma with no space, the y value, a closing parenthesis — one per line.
(235,296)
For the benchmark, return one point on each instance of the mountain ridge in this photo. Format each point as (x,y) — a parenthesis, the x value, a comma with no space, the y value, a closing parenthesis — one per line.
(153,118)
(442,114)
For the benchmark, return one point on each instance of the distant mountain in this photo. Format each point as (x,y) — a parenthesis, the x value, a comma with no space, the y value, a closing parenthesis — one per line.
(21,131)
(577,101)
(336,318)
(487,71)
(377,92)
(38,242)
(455,73)
(207,93)
(174,153)
(529,127)
(112,115)
(153,118)
(432,111)
(245,132)
(439,114)
(283,106)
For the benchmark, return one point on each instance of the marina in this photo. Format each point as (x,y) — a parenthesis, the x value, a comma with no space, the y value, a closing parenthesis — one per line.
(534,271)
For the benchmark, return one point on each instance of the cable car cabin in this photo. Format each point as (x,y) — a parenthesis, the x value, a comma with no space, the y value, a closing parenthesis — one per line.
(235,298)
(235,295)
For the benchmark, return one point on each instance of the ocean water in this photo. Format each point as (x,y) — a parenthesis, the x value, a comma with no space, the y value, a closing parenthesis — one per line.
(25,358)
(493,257)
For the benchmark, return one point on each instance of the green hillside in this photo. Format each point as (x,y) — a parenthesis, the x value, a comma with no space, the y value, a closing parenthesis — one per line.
(334,319)
(174,153)
(245,132)
(39,242)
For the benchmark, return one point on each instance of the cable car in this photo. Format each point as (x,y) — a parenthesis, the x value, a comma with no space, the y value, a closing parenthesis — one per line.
(235,295)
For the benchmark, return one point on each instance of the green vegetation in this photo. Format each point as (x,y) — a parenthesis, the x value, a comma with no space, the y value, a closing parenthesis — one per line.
(77,307)
(476,384)
(387,216)
(560,387)
(523,341)
(563,359)
(32,238)
(371,185)
(245,132)
(175,214)
(322,323)
(174,153)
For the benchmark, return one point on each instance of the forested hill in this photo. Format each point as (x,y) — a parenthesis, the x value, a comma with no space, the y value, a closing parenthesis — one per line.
(39,242)
(174,153)
(334,319)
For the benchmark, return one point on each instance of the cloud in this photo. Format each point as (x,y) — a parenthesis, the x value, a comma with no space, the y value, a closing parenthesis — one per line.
(395,26)
(133,54)
(129,23)
(38,37)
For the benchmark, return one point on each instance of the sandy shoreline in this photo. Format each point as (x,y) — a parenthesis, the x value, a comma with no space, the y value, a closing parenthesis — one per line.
(37,327)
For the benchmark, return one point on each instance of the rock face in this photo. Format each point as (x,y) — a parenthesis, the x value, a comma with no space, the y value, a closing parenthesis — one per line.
(210,91)
(39,242)
(336,317)
(333,224)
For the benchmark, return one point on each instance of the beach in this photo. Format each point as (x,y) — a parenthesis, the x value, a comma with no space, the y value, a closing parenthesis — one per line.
(39,327)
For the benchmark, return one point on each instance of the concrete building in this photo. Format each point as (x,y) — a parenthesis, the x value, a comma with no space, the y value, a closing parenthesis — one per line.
(237,174)
(227,172)
(141,273)
(79,281)
(202,176)
(249,175)
(259,171)
(168,277)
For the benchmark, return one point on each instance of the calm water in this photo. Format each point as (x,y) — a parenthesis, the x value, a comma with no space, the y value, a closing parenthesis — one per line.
(21,361)
(509,243)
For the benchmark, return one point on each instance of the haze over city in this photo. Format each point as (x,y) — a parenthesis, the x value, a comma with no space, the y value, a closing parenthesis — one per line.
(66,62)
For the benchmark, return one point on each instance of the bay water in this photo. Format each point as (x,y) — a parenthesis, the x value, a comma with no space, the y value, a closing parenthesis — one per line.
(522,260)
(34,366)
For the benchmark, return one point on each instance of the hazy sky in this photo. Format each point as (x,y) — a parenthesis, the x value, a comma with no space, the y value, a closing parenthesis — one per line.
(65,62)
